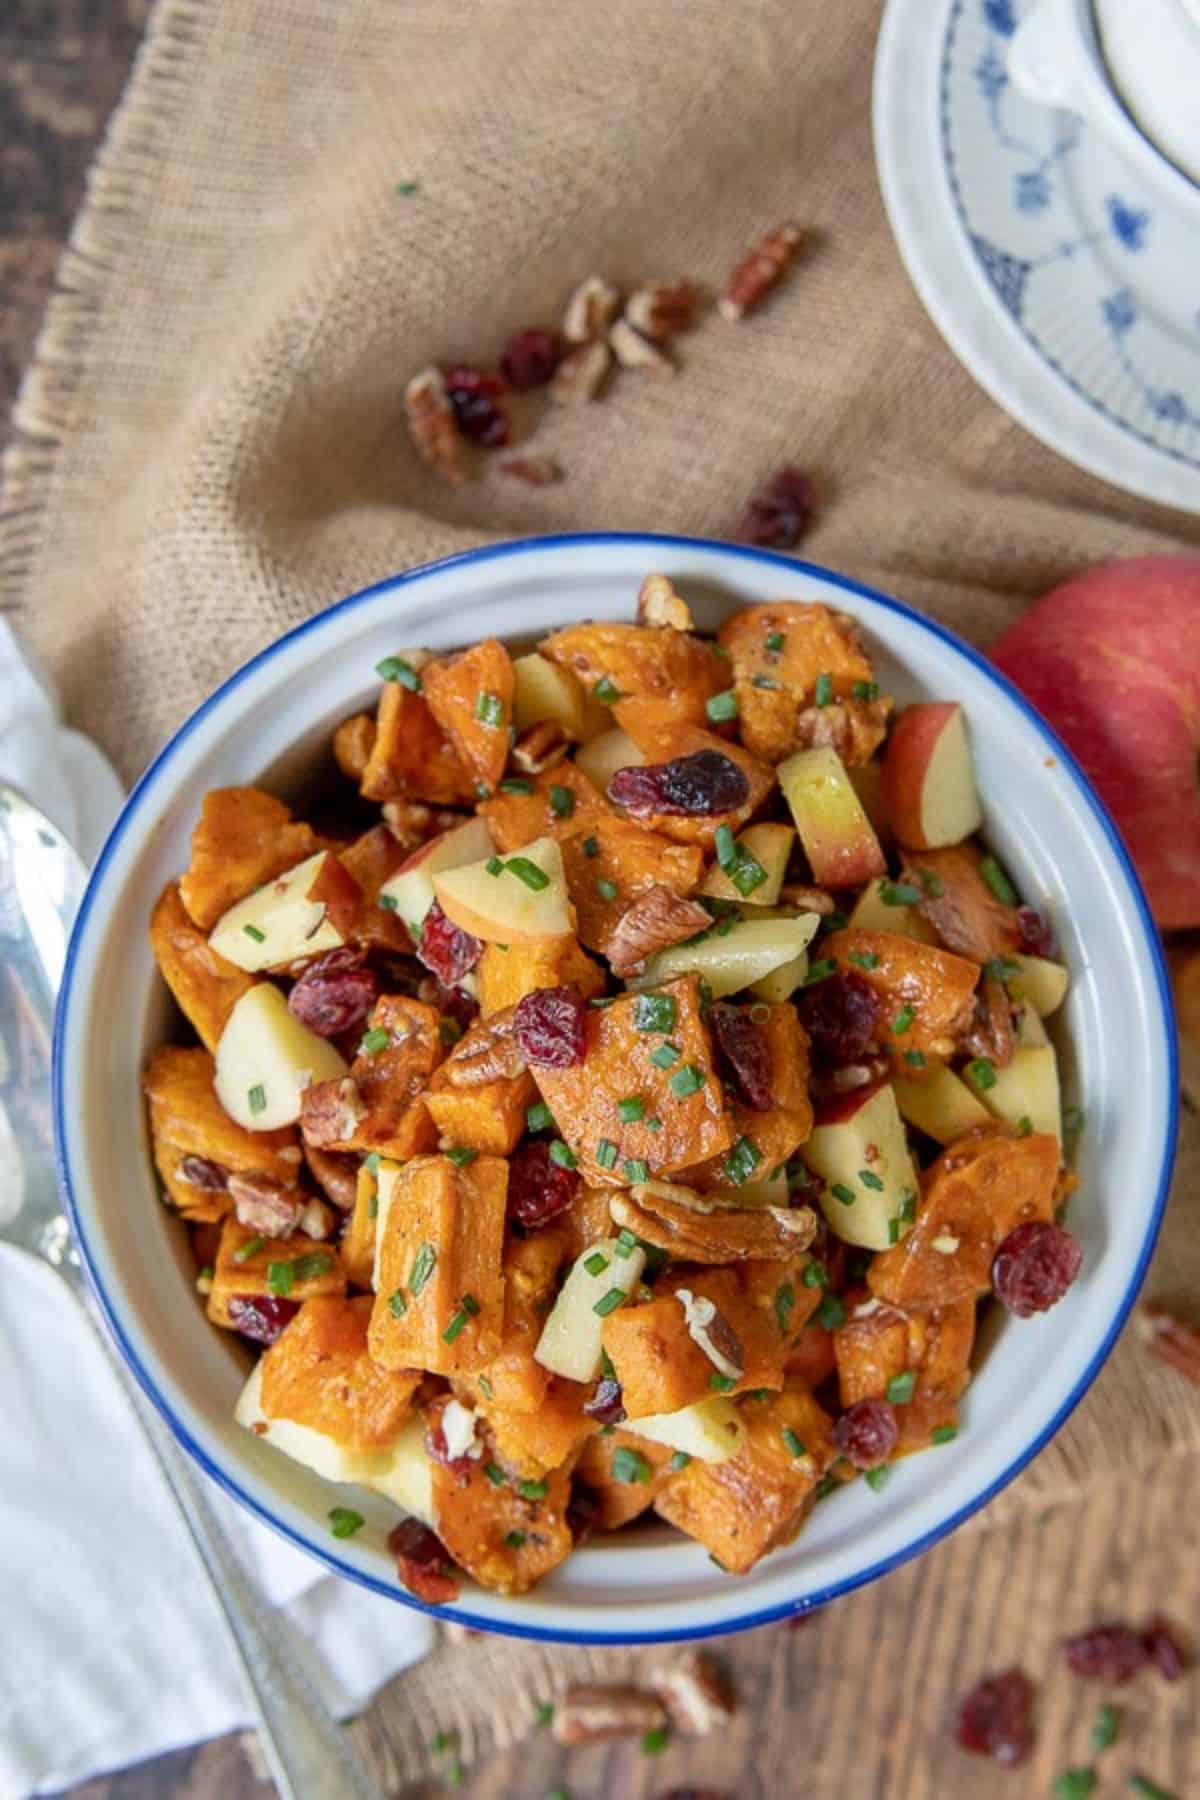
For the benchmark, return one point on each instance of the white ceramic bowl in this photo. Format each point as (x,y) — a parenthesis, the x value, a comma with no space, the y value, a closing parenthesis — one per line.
(270,722)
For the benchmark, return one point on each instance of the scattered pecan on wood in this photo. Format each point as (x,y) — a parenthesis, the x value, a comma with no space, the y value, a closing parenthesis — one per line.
(760,269)
(1172,1338)
(633,351)
(433,425)
(587,1713)
(591,309)
(696,1693)
(653,921)
(581,374)
(659,605)
(663,308)
(263,1205)
(534,471)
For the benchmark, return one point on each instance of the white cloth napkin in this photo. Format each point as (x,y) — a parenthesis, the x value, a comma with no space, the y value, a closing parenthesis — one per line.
(111,1646)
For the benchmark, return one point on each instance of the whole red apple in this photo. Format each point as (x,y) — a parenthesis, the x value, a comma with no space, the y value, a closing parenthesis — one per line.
(1112,660)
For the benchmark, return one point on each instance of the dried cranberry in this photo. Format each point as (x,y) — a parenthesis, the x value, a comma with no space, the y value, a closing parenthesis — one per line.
(866,1433)
(1034,1267)
(780,513)
(445,949)
(530,358)
(423,1563)
(582,1508)
(1106,1653)
(261,1317)
(1164,1649)
(199,1172)
(698,786)
(996,1718)
(551,1028)
(606,1404)
(335,993)
(473,395)
(1037,938)
(744,1048)
(435,1443)
(841,1016)
(538,1189)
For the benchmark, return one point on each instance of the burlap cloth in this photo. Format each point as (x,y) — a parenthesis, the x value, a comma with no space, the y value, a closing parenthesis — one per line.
(211,447)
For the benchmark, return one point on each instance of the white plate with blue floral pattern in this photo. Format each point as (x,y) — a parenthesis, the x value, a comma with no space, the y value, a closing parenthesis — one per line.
(1068,292)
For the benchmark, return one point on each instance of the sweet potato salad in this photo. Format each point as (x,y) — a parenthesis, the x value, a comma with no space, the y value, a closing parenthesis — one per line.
(617,1094)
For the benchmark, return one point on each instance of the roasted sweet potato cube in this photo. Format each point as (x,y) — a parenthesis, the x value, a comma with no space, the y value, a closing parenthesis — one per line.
(967,916)
(505,1539)
(243,838)
(507,972)
(624,1492)
(513,1380)
(440,1299)
(379,1106)
(665,745)
(470,694)
(777,1133)
(654,1047)
(759,1499)
(411,756)
(491,1117)
(369,860)
(205,986)
(811,1357)
(352,744)
(779,652)
(319,1373)
(586,1221)
(981,1187)
(785,1294)
(358,1239)
(187,1121)
(870,1347)
(662,1367)
(927,994)
(677,669)
(530,1443)
(249,1266)
(516,817)
(875,1348)
(614,861)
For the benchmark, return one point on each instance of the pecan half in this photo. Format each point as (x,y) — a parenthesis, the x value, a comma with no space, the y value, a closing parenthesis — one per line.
(633,351)
(543,745)
(711,1331)
(654,920)
(759,270)
(433,427)
(695,1229)
(587,1713)
(534,471)
(854,728)
(590,310)
(318,1219)
(1172,1338)
(330,1112)
(991,1032)
(263,1204)
(581,374)
(695,1692)
(659,605)
(662,309)
(337,1175)
(488,1052)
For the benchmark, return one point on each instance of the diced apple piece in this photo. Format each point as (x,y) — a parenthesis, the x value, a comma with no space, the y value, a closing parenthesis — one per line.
(520,898)
(942,1105)
(601,757)
(929,777)
(265,1059)
(404,1474)
(544,690)
(301,1442)
(1028,1089)
(860,1151)
(570,1340)
(750,950)
(385,1190)
(709,1430)
(873,913)
(279,922)
(782,982)
(769,846)
(837,836)
(1039,981)
(410,890)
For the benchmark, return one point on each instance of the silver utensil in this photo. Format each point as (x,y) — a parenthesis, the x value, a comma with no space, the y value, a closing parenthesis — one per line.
(41,884)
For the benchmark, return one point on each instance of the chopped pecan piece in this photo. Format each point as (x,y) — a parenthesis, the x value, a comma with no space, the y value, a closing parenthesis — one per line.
(991,1032)
(587,1713)
(488,1052)
(318,1219)
(413,823)
(534,471)
(661,310)
(337,1175)
(543,745)
(711,1331)
(590,310)
(581,374)
(854,728)
(659,605)
(696,1229)
(264,1206)
(433,426)
(759,270)
(655,919)
(695,1692)
(1172,1338)
(633,351)
(331,1111)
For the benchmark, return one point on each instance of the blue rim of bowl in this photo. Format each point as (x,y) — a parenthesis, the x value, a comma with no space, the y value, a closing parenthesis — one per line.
(1151,945)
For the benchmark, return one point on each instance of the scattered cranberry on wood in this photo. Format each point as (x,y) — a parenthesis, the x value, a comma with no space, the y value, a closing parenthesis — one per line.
(996,1718)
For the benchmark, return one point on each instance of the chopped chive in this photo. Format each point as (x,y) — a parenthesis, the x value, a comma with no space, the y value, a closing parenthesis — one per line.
(344,1521)
(1149,1790)
(908,1205)
(515,1540)
(606,1153)
(631,1109)
(252,931)
(281,1277)
(685,1081)
(626,1243)
(900,1388)
(457,1324)
(562,801)
(607,1366)
(784,1302)
(654,1012)
(591,846)
(424,1263)
(1075,1784)
(607,690)
(742,1160)
(461,1156)
(746,873)
(397,1304)
(532,1490)
(998,881)
(371,1161)
(373,1207)
(636,1169)
(721,1384)
(317,1262)
(394,668)
(389,902)
(982,1072)
(654,1123)
(482,790)
(515,784)
(630,1465)
(931,884)
(815,1274)
(899,893)
(826,1486)
(722,707)
(679,1460)
(1024,1126)
(528,872)
(863,959)
(1107,1728)
(903,1020)
(375,1040)
(544,1714)
(538,1117)
(250,1248)
(823,690)
(865,690)
(486,1388)
(894,1230)
(793,1442)
(256,1098)
(724,846)
(915,1059)
(820,971)
(656,1739)
(607,890)
(775,641)
(831,1313)
(609,1302)
(1001,968)
(943,1434)
(562,1154)
(869,1179)
(841,1192)
(877,1478)
(596,1263)
(494,866)
(665,1055)
(489,709)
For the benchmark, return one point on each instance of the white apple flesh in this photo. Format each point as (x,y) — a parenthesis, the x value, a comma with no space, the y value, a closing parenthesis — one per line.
(709,1430)
(410,890)
(748,952)
(861,1153)
(265,1059)
(278,923)
(928,781)
(770,846)
(501,901)
(571,1337)
(837,835)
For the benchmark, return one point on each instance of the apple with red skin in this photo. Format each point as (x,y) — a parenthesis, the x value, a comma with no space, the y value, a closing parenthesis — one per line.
(928,780)
(1112,661)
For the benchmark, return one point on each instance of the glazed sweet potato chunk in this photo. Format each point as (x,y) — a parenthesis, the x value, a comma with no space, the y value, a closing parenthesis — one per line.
(514,1380)
(979,1189)
(440,1298)
(411,756)
(249,1266)
(757,1500)
(779,653)
(507,1540)
(883,1353)
(777,1131)
(787,1294)
(557,803)
(532,1442)
(661,745)
(319,1373)
(622,1476)
(507,972)
(671,666)
(927,994)
(206,987)
(358,1240)
(470,695)
(659,1361)
(243,838)
(379,1106)
(489,1117)
(353,742)
(654,1048)
(967,916)
(613,862)
(586,1221)
(197,1146)
(369,861)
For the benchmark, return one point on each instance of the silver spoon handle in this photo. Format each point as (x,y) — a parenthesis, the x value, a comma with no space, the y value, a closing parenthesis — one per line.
(309,1754)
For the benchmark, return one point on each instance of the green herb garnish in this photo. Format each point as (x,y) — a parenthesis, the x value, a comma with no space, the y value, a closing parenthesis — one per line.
(630,1465)
(424,1263)
(489,709)
(528,872)
(394,668)
(722,707)
(344,1521)
(654,1012)
(998,881)
(900,1388)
